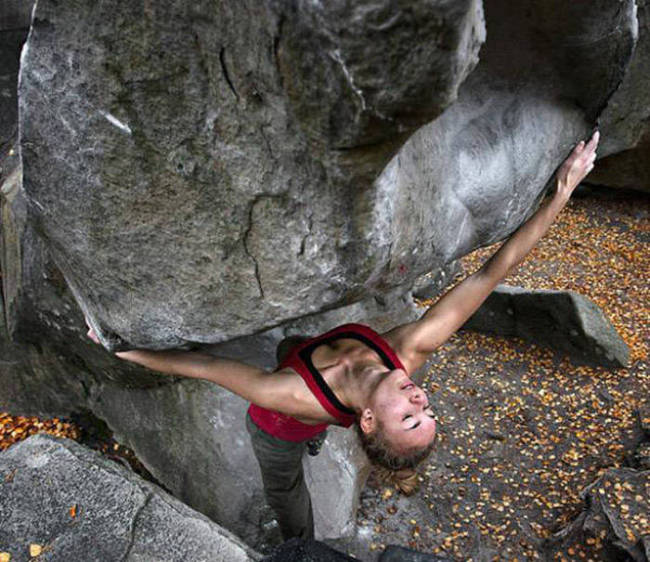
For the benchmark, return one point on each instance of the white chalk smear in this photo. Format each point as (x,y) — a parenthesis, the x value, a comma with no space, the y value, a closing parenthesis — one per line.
(115,121)
(336,55)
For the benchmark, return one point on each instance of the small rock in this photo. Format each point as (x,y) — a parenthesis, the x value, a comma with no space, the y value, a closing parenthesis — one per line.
(562,320)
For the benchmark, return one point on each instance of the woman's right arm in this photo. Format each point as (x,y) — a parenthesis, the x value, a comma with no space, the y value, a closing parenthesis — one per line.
(260,387)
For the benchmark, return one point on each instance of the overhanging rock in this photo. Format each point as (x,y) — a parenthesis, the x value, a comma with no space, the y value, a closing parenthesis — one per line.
(217,158)
(216,164)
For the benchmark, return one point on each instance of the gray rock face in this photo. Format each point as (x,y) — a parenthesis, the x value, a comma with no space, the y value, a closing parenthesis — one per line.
(626,136)
(189,163)
(15,16)
(562,320)
(431,285)
(611,511)
(335,479)
(234,172)
(117,515)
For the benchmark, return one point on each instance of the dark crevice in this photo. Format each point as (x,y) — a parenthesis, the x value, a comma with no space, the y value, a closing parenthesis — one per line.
(303,242)
(249,228)
(222,60)
(359,146)
(268,144)
(277,38)
(134,523)
(97,435)
(276,48)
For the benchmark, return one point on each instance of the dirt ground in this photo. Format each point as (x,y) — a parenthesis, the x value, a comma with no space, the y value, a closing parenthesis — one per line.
(522,430)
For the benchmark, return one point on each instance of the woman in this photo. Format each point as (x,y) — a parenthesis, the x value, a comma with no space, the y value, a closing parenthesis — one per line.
(353,375)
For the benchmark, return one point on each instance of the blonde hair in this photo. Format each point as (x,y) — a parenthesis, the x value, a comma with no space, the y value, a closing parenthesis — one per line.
(397,468)
(405,480)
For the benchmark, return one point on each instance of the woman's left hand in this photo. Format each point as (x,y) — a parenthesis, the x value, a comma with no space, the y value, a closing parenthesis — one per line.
(579,163)
(91,333)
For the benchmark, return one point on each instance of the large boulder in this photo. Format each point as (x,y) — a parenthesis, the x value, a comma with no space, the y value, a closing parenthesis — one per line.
(77,505)
(219,159)
(228,173)
(215,161)
(626,135)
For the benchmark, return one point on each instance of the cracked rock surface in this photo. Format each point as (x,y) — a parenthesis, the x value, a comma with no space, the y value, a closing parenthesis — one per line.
(77,505)
(228,166)
(229,149)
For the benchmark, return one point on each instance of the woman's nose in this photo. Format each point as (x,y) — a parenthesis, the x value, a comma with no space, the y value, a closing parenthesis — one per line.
(418,397)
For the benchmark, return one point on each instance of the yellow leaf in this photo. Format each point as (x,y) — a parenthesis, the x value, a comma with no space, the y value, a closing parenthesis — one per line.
(5,557)
(35,549)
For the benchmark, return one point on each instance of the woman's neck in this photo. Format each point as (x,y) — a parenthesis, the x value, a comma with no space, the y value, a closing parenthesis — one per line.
(355,382)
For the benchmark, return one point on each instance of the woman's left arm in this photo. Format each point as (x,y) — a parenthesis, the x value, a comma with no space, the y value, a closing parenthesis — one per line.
(418,339)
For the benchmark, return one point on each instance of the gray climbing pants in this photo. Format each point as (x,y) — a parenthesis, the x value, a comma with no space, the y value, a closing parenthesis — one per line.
(284,481)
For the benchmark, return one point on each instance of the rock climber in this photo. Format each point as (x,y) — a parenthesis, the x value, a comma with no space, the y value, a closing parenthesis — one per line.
(352,375)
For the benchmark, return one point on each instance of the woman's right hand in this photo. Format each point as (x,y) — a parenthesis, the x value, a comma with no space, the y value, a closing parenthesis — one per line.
(574,169)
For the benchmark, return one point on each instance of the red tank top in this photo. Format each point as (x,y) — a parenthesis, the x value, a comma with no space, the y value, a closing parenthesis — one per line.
(299,359)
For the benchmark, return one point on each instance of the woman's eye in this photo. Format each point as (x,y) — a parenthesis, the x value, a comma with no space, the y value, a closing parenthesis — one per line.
(407,417)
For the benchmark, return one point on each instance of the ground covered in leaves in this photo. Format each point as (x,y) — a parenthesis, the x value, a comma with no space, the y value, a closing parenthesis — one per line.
(522,430)
(90,432)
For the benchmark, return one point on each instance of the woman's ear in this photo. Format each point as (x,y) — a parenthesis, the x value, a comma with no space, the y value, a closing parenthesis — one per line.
(367,422)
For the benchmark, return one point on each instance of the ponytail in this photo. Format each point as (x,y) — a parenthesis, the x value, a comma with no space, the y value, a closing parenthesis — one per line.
(391,466)
(405,480)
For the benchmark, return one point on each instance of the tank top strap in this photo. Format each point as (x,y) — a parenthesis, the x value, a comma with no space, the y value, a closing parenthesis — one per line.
(300,360)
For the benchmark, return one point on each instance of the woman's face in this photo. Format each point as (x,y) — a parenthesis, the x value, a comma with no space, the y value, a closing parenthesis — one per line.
(403,411)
